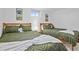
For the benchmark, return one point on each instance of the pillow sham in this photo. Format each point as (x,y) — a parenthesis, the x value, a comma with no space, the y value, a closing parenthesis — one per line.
(26,28)
(10,29)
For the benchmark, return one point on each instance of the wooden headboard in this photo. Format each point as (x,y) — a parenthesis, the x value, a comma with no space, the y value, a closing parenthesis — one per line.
(12,25)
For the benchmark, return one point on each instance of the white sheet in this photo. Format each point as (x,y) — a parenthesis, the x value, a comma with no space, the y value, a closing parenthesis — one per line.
(45,39)
(20,30)
(67,31)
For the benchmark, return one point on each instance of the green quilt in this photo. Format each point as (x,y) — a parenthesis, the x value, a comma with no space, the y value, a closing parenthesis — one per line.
(47,47)
(9,37)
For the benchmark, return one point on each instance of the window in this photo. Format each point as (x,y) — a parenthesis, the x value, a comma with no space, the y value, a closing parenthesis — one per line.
(34,13)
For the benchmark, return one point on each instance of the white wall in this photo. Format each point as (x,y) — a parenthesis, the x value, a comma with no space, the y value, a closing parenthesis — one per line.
(42,19)
(66,18)
(9,15)
(61,18)
(1,19)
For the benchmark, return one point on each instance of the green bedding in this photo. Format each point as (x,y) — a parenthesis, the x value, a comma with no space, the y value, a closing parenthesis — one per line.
(9,37)
(52,32)
(55,33)
(26,28)
(47,47)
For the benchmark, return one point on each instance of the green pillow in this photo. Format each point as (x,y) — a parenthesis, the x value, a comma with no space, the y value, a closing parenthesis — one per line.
(26,28)
(10,29)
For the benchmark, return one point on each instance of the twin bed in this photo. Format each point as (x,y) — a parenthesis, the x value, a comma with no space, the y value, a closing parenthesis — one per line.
(66,36)
(11,34)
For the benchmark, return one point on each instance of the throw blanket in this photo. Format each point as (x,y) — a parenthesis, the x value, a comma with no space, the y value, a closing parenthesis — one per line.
(22,45)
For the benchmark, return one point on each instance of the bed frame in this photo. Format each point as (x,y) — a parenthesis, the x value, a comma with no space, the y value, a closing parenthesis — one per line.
(66,43)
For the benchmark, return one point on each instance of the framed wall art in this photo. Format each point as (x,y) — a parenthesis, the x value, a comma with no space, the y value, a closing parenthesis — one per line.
(19,13)
(46,17)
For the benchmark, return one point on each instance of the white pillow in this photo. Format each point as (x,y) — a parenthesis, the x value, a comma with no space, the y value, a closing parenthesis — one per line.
(67,31)
(20,30)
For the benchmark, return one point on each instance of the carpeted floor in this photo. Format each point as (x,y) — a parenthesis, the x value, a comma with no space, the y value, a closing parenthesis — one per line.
(68,46)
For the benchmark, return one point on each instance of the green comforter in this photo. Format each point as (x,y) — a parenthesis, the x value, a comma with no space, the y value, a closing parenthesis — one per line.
(9,37)
(55,33)
(47,47)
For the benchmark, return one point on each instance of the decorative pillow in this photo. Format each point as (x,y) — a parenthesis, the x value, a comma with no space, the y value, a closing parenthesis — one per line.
(48,26)
(10,29)
(20,29)
(26,28)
